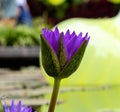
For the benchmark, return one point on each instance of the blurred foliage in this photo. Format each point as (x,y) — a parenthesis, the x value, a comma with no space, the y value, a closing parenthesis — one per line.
(40,22)
(20,35)
(61,2)
(115,1)
(72,2)
(59,10)
(59,7)
(56,2)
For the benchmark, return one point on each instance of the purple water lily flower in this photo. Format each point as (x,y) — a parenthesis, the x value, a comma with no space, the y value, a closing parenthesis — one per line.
(62,52)
(17,108)
(72,41)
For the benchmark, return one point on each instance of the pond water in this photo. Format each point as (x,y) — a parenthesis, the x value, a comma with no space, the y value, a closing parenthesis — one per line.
(105,99)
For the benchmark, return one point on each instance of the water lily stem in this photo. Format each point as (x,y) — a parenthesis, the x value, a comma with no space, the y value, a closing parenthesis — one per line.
(54,95)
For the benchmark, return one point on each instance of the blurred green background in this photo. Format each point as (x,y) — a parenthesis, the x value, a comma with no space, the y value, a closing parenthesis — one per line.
(100,66)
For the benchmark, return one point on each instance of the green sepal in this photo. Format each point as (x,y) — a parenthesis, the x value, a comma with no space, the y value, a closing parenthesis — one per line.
(61,52)
(1,107)
(74,63)
(50,62)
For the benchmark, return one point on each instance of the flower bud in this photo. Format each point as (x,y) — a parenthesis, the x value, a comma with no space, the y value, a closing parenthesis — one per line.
(62,53)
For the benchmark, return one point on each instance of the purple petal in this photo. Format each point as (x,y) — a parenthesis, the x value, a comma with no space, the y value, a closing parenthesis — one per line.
(56,32)
(5,108)
(51,37)
(70,48)
(12,106)
(17,108)
(74,43)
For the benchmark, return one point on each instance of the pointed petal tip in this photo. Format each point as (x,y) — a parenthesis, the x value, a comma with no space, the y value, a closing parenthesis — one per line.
(86,35)
(68,31)
(88,38)
(12,103)
(80,34)
(56,29)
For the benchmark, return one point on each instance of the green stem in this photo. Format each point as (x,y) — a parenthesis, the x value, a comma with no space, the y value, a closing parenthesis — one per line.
(54,95)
